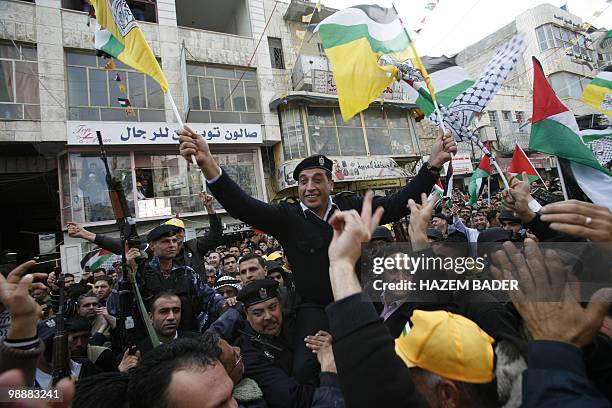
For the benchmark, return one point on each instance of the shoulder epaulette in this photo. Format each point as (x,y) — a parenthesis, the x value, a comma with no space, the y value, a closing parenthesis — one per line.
(345,194)
(289,200)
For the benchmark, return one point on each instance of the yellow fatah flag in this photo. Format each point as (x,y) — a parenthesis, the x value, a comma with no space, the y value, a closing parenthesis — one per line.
(121,37)
(598,93)
(354,39)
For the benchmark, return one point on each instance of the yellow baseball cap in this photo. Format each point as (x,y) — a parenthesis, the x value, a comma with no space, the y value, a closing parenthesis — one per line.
(177,222)
(448,345)
(274,256)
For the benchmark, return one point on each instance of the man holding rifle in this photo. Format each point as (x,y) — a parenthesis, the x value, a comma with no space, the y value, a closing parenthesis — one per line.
(162,273)
(190,253)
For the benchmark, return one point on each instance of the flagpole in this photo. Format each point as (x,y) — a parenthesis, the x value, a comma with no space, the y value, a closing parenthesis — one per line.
(527,157)
(433,96)
(561,178)
(182,125)
(489,190)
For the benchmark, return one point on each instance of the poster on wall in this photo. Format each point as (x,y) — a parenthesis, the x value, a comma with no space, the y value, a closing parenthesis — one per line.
(346,168)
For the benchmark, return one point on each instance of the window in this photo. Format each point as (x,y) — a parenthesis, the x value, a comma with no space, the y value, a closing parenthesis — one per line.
(229,16)
(322,131)
(292,133)
(377,131)
(143,10)
(552,36)
(276,53)
(495,123)
(164,184)
(88,199)
(388,132)
(222,94)
(19,82)
(350,135)
(519,116)
(507,115)
(399,131)
(566,84)
(93,92)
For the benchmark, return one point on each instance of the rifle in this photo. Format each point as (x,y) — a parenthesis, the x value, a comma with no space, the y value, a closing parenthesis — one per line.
(60,365)
(127,233)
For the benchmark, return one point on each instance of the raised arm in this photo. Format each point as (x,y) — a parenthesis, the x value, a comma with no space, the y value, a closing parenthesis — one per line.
(214,236)
(111,244)
(263,216)
(395,204)
(362,344)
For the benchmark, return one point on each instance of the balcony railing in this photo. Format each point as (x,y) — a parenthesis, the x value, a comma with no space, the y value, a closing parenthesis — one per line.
(308,75)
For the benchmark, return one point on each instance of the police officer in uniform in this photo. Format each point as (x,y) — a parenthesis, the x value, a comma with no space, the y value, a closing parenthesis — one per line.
(266,347)
(161,273)
(190,253)
(301,227)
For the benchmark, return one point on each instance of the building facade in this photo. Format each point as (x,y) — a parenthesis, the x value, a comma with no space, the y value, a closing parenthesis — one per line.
(563,43)
(234,71)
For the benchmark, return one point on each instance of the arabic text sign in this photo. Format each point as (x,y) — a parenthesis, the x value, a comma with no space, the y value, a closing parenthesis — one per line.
(149,133)
(347,168)
(462,164)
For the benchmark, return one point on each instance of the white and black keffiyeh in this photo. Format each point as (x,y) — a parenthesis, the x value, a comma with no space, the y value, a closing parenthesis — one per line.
(458,115)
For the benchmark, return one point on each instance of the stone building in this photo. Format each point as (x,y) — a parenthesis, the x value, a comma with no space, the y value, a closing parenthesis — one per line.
(234,71)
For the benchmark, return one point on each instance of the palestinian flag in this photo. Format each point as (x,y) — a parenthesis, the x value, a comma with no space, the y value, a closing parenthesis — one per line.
(124,102)
(554,131)
(521,163)
(477,180)
(447,78)
(101,258)
(448,190)
(119,35)
(436,191)
(600,143)
(598,93)
(354,39)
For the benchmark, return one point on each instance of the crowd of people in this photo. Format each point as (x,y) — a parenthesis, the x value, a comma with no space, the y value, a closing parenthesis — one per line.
(287,318)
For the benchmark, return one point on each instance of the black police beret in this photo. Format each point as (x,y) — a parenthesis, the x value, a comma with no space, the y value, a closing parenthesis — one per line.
(258,291)
(274,266)
(317,161)
(508,216)
(46,329)
(382,234)
(160,231)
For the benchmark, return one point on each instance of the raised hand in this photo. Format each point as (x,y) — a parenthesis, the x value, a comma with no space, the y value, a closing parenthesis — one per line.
(420,217)
(77,231)
(208,201)
(442,150)
(321,345)
(546,301)
(193,144)
(15,296)
(351,229)
(129,361)
(580,218)
(519,197)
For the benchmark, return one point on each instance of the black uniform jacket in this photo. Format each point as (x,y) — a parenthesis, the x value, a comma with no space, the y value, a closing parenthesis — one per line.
(271,368)
(193,252)
(305,237)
